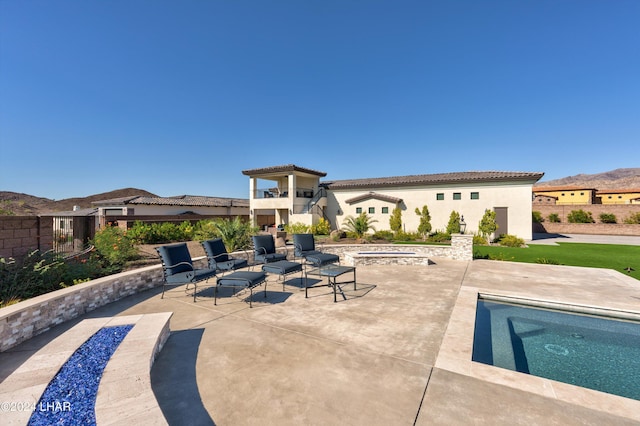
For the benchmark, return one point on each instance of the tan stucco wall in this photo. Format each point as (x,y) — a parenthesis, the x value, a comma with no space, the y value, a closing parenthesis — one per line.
(515,196)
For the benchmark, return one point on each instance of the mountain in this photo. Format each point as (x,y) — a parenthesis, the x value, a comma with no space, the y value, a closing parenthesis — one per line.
(614,179)
(28,205)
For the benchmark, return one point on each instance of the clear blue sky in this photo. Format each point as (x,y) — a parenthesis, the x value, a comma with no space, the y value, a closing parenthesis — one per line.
(178,97)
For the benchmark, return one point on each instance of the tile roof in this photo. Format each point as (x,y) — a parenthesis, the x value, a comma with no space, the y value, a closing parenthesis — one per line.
(180,200)
(618,191)
(280,169)
(375,195)
(561,188)
(434,179)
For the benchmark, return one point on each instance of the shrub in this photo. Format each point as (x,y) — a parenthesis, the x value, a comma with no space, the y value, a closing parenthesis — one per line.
(633,219)
(510,241)
(159,233)
(236,234)
(479,240)
(580,216)
(554,218)
(323,227)
(608,218)
(406,236)
(359,226)
(37,273)
(425,221)
(546,261)
(537,216)
(113,245)
(296,228)
(395,221)
(383,235)
(453,227)
(439,237)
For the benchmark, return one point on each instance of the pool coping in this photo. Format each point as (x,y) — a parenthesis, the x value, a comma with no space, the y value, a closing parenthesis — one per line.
(457,346)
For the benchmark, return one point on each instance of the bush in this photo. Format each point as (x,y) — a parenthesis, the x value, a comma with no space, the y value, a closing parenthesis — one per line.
(440,237)
(580,216)
(554,218)
(479,240)
(545,261)
(323,227)
(510,241)
(633,219)
(114,247)
(453,227)
(160,233)
(537,216)
(406,236)
(608,218)
(296,228)
(383,235)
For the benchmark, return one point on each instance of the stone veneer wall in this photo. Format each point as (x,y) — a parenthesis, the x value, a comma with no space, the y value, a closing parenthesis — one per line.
(21,234)
(26,319)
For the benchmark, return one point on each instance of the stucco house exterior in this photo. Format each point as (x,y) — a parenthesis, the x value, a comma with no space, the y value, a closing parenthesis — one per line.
(565,195)
(291,194)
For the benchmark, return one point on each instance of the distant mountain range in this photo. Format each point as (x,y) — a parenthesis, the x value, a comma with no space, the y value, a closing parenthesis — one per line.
(26,205)
(615,179)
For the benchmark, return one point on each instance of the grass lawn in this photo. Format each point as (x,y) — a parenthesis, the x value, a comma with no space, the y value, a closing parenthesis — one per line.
(609,256)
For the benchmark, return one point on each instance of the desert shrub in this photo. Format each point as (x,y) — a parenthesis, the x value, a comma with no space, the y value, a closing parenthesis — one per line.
(608,218)
(407,236)
(323,227)
(296,228)
(205,230)
(453,227)
(395,221)
(114,247)
(508,240)
(35,274)
(554,218)
(479,240)
(383,235)
(633,219)
(580,216)
(439,237)
(537,216)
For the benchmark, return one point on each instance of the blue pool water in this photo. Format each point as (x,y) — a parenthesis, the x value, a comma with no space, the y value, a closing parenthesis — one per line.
(70,397)
(592,352)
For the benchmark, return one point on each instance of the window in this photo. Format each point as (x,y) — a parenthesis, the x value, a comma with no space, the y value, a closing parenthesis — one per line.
(457,196)
(385,210)
(572,194)
(475,195)
(372,210)
(440,196)
(562,194)
(582,193)
(358,210)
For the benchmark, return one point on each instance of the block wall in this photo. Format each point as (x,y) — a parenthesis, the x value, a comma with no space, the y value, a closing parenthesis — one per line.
(20,235)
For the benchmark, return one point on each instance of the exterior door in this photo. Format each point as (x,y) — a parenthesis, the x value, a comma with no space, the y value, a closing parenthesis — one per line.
(502,219)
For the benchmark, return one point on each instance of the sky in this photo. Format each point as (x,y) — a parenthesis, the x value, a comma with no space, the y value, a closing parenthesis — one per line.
(179,96)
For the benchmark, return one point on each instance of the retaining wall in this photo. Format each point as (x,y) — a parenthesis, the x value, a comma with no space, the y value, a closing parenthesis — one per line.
(20,235)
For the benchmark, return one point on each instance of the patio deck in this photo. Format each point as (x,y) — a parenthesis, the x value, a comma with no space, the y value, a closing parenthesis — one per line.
(373,359)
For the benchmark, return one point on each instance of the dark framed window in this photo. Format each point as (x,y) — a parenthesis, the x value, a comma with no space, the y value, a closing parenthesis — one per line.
(385,210)
(440,196)
(358,210)
(475,195)
(457,196)
(372,210)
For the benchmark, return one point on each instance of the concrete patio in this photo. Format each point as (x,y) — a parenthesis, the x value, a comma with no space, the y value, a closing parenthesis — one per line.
(395,352)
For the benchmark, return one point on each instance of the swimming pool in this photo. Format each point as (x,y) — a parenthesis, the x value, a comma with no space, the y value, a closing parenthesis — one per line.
(589,351)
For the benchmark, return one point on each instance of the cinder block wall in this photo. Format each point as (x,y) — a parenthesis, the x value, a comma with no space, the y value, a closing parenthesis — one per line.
(621,211)
(20,235)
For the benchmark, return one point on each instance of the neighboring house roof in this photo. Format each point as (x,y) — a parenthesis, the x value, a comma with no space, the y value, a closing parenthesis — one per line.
(75,213)
(375,195)
(619,191)
(180,200)
(561,188)
(281,169)
(434,179)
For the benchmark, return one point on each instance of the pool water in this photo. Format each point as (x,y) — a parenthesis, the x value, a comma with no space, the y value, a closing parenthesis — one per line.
(593,352)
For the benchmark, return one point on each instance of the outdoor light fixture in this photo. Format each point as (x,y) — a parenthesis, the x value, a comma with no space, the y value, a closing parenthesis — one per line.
(463,225)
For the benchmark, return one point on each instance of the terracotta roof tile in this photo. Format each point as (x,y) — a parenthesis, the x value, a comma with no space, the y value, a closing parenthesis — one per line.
(280,169)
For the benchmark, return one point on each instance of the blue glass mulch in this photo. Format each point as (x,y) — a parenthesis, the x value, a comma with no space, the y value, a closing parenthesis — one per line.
(70,397)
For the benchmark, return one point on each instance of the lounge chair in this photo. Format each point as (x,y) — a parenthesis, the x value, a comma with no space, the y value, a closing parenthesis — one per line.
(305,247)
(178,269)
(219,258)
(264,249)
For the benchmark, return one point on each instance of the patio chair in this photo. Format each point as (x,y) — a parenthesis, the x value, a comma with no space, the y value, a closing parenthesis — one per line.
(219,258)
(305,247)
(178,269)
(264,249)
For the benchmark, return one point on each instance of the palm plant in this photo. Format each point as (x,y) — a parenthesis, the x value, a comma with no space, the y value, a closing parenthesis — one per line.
(235,234)
(360,225)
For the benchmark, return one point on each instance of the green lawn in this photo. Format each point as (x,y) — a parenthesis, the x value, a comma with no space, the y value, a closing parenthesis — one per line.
(609,256)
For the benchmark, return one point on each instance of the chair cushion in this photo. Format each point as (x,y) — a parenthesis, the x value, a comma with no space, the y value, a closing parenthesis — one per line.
(215,250)
(175,254)
(191,276)
(321,259)
(264,244)
(242,278)
(231,264)
(282,267)
(303,243)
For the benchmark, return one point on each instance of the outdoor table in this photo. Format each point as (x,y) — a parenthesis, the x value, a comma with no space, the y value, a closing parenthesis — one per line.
(332,272)
(282,268)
